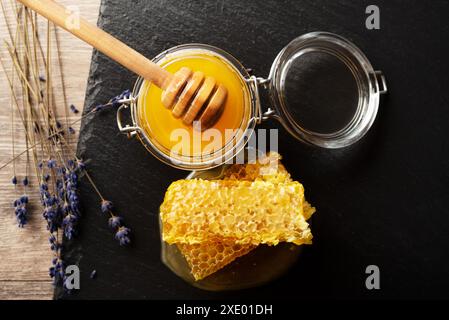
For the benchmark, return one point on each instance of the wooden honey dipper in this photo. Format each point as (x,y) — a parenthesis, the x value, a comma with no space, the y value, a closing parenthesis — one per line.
(190,95)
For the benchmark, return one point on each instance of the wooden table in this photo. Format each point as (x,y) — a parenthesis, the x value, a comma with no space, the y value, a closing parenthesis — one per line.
(24,253)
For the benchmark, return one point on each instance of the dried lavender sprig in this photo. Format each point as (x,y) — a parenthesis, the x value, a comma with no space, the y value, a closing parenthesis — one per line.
(21,212)
(115,101)
(123,233)
(52,203)
(67,189)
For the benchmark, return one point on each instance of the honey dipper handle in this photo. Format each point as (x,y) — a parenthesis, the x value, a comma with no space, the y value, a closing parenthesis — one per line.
(101,40)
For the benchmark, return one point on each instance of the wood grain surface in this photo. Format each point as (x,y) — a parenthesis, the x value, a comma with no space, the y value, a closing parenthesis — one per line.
(24,253)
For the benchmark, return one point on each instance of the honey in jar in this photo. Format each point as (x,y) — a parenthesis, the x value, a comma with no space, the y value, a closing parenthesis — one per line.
(171,133)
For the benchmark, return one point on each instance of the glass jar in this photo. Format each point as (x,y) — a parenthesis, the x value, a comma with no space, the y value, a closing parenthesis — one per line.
(229,149)
(323,90)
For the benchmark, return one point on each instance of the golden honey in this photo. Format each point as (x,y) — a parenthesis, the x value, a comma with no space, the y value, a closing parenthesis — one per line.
(168,132)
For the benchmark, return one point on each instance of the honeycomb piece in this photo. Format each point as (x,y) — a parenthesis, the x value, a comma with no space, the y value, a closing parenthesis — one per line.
(266,168)
(208,257)
(249,212)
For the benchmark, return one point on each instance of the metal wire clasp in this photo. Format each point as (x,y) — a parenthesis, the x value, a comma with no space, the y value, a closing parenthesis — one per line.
(255,82)
(129,130)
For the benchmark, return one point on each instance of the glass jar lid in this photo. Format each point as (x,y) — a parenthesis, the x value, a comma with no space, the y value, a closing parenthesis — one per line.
(324,90)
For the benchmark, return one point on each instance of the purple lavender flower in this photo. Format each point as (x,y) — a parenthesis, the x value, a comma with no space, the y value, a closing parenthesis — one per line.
(69,223)
(71,185)
(71,130)
(58,125)
(42,79)
(122,235)
(73,109)
(14,180)
(49,201)
(73,197)
(59,183)
(54,245)
(52,239)
(115,222)
(51,163)
(57,270)
(80,165)
(60,189)
(65,208)
(99,107)
(71,164)
(25,181)
(49,214)
(61,171)
(52,209)
(20,210)
(21,215)
(73,177)
(23,199)
(106,206)
(114,102)
(53,217)
(125,94)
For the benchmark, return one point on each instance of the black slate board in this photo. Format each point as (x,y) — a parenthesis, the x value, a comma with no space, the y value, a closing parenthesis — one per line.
(382,201)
